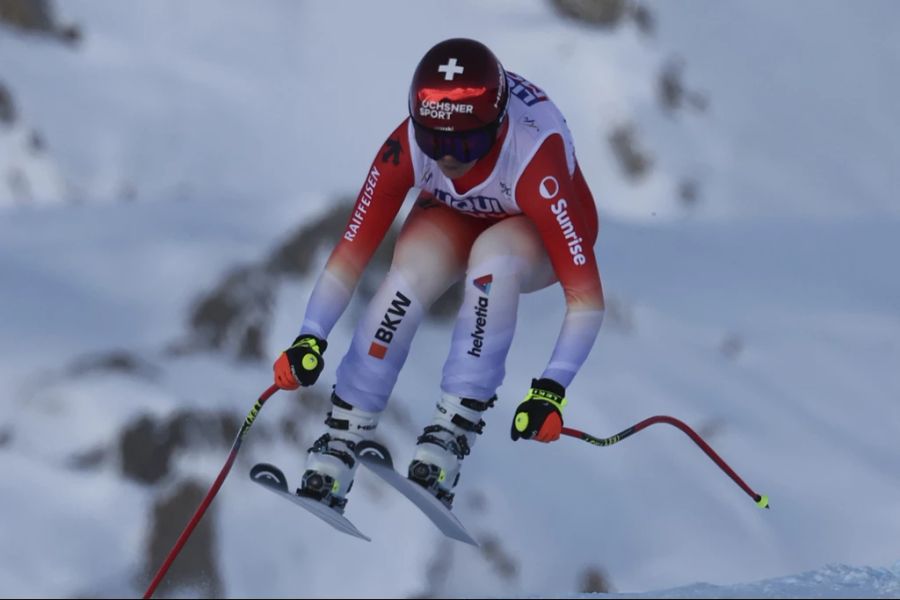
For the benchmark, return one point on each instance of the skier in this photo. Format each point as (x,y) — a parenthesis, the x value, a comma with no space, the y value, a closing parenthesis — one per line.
(502,204)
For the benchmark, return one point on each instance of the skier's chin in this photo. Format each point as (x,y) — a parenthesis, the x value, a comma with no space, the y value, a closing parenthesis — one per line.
(453,168)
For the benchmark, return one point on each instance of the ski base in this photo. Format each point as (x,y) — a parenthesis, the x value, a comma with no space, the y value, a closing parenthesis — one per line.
(273,479)
(377,459)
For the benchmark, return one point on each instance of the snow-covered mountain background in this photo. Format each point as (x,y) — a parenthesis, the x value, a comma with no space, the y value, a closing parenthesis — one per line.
(173,175)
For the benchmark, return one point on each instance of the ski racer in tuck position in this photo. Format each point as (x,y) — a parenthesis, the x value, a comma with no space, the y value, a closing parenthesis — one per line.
(502,204)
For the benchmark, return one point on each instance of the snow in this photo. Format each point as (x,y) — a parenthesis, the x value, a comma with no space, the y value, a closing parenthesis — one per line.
(832,581)
(766,316)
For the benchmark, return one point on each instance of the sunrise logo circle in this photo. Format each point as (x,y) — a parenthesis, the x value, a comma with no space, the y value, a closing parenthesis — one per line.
(549,187)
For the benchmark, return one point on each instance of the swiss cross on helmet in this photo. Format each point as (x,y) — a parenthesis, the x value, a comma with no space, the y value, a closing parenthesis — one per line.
(458,100)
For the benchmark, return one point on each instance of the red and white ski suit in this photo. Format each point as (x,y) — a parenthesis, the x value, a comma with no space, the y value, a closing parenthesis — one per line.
(522,219)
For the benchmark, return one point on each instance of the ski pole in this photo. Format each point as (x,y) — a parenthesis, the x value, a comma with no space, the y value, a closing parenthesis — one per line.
(182,539)
(761,501)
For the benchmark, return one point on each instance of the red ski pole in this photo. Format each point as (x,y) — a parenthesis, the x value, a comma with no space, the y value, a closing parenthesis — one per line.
(183,538)
(761,501)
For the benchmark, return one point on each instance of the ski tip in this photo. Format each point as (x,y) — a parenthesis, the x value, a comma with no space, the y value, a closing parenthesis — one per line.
(465,538)
(270,475)
(373,452)
(763,502)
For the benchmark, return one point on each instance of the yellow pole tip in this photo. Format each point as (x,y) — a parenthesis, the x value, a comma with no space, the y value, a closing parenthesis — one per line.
(763,502)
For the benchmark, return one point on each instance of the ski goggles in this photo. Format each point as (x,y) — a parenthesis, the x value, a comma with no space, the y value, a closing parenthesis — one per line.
(464,146)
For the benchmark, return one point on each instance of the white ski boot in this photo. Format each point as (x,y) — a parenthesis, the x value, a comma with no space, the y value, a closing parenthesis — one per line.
(445,443)
(332,461)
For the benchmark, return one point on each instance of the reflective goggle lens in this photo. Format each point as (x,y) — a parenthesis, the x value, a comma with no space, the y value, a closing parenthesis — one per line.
(464,146)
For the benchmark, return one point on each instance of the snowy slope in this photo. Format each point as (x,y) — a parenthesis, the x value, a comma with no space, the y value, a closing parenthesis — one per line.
(833,581)
(766,316)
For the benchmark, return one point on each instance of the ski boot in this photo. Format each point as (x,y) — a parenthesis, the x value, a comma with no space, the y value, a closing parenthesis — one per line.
(332,462)
(445,443)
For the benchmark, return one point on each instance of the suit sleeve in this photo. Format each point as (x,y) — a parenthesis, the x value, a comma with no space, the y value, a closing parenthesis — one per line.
(389,179)
(546,194)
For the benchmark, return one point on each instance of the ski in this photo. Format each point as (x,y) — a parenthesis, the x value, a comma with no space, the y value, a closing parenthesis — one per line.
(272,478)
(378,460)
